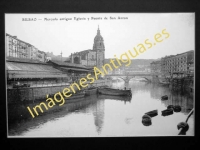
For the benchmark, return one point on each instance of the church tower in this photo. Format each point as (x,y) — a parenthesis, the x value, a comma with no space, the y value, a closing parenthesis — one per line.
(99,47)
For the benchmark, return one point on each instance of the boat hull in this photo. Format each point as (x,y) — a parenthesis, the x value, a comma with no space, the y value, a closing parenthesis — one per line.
(164,97)
(75,96)
(167,112)
(146,120)
(177,108)
(90,91)
(114,97)
(116,92)
(152,113)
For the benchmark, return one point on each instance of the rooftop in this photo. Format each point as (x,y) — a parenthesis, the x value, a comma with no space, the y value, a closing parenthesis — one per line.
(23,60)
(66,64)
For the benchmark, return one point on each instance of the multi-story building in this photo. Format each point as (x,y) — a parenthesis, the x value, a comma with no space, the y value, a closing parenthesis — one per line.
(33,52)
(94,57)
(41,56)
(20,49)
(191,67)
(177,63)
(155,66)
(16,47)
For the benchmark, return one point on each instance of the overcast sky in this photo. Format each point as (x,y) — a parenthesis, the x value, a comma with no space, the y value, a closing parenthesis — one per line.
(120,35)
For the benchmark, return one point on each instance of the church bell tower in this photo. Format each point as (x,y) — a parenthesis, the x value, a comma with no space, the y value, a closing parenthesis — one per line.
(99,47)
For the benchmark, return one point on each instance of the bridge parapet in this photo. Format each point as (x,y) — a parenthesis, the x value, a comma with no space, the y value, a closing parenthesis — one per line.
(135,74)
(128,78)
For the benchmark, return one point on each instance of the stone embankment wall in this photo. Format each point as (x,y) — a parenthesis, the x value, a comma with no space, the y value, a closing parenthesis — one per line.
(32,94)
(184,84)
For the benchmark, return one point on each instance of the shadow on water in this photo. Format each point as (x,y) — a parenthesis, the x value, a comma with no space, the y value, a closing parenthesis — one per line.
(183,99)
(144,97)
(19,116)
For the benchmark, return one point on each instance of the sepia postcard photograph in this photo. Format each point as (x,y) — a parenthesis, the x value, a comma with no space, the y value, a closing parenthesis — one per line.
(100,74)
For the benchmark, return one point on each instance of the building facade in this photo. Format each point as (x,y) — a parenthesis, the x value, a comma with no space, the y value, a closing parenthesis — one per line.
(179,63)
(155,66)
(20,49)
(91,58)
(16,47)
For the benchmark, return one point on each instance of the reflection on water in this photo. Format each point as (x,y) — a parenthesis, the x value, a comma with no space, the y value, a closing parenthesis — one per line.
(98,113)
(115,116)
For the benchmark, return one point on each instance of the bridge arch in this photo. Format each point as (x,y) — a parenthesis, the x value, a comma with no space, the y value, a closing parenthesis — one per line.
(121,78)
(127,78)
(140,77)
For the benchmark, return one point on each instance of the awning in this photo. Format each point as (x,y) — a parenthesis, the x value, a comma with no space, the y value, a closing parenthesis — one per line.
(30,70)
(34,74)
(75,69)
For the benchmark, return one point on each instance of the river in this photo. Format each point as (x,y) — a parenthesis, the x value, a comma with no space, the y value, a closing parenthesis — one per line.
(108,116)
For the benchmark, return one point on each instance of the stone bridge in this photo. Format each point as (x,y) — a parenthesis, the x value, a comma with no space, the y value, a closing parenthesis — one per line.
(127,77)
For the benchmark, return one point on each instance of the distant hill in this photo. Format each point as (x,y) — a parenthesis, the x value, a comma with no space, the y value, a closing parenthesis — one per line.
(135,62)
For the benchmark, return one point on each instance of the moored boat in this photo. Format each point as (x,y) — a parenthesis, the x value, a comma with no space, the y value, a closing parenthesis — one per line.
(111,91)
(170,107)
(167,112)
(146,120)
(164,83)
(152,113)
(177,108)
(114,97)
(77,95)
(91,91)
(165,97)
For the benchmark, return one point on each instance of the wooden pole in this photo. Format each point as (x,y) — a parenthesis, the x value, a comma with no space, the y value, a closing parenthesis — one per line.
(191,112)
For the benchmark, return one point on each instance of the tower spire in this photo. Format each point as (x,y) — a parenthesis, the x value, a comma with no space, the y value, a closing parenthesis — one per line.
(98,31)
(61,56)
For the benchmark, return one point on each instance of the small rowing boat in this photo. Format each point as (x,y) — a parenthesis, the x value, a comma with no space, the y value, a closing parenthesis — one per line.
(165,97)
(76,95)
(170,107)
(114,97)
(152,113)
(167,112)
(146,120)
(111,91)
(177,108)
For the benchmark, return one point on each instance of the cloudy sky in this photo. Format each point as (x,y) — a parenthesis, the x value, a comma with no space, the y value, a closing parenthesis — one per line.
(120,35)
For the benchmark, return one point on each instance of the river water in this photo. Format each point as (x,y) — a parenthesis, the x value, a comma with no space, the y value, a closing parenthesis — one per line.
(108,116)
